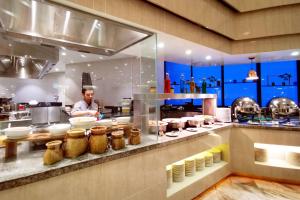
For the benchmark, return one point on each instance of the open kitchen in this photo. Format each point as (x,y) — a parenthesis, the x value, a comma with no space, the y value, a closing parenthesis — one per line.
(95,105)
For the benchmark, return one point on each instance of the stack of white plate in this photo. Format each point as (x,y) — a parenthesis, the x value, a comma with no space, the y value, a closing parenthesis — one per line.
(178,171)
(189,166)
(200,162)
(209,161)
(169,175)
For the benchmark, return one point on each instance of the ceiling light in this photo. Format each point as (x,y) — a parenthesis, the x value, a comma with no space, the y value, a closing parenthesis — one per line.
(63,53)
(83,56)
(56,69)
(100,57)
(295,53)
(125,64)
(208,57)
(188,52)
(161,45)
(9,45)
(89,65)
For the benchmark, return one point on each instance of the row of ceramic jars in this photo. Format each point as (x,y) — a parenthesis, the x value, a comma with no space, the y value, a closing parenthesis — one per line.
(77,143)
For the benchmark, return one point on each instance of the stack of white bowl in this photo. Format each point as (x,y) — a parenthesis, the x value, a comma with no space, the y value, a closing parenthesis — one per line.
(189,166)
(169,175)
(178,171)
(216,154)
(200,162)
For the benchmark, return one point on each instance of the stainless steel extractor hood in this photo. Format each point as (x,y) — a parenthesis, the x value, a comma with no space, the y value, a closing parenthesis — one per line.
(22,60)
(46,23)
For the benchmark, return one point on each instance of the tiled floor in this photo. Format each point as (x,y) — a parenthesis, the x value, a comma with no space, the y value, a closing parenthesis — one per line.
(242,188)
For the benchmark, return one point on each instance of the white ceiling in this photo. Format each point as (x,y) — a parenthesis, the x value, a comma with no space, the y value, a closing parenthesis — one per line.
(174,51)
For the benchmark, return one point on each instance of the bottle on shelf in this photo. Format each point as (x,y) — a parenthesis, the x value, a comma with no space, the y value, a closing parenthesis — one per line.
(182,83)
(203,86)
(167,84)
(192,85)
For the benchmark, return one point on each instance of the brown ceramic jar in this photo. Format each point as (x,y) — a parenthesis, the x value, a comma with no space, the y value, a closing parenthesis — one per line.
(135,136)
(98,141)
(76,143)
(117,140)
(54,153)
(126,128)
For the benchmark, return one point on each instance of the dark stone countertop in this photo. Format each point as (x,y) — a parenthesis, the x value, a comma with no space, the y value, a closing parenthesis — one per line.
(267,126)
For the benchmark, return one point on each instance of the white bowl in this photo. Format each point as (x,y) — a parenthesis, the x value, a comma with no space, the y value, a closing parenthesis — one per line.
(59,129)
(104,122)
(123,119)
(17,132)
(83,122)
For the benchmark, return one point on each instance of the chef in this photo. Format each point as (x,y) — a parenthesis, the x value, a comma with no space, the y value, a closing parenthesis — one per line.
(85,107)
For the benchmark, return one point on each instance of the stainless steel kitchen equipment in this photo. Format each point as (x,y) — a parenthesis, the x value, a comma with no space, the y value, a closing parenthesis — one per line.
(46,112)
(283,107)
(50,24)
(244,108)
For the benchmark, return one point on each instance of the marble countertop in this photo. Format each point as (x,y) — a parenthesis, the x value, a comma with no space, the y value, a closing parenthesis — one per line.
(29,168)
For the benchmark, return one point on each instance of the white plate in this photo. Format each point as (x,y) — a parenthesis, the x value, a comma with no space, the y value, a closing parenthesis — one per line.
(289,124)
(172,134)
(207,126)
(192,129)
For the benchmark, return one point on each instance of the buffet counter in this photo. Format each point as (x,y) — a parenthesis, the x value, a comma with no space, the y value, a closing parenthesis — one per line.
(140,172)
(29,168)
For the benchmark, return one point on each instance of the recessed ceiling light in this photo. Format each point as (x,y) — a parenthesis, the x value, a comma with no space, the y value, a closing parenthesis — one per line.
(188,52)
(83,56)
(125,64)
(161,45)
(208,57)
(100,57)
(89,65)
(63,53)
(56,69)
(295,53)
(9,45)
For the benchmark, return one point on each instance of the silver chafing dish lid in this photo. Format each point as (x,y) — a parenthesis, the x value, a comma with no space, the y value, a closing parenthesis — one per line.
(245,105)
(283,106)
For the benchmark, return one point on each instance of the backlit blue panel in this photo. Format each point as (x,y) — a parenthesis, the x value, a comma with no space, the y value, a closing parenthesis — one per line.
(279,79)
(235,83)
(212,74)
(175,70)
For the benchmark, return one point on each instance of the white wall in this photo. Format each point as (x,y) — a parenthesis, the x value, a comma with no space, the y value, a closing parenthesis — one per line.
(24,90)
(115,79)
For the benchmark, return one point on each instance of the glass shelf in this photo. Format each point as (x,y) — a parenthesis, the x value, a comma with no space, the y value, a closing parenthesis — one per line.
(164,96)
(237,82)
(279,86)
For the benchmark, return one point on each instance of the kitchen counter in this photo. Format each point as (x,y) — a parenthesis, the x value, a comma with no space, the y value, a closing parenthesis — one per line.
(266,126)
(29,168)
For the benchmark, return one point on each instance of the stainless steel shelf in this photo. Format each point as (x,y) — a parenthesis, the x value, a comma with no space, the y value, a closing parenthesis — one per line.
(164,96)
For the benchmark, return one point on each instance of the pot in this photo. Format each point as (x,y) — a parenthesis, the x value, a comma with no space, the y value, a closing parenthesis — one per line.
(175,123)
(193,121)
(162,126)
(98,141)
(54,153)
(76,143)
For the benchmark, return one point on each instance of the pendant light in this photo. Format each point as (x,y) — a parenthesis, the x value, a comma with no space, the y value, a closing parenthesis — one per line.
(252,74)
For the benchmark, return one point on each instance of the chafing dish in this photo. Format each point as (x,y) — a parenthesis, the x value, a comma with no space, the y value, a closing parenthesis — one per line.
(244,107)
(283,107)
